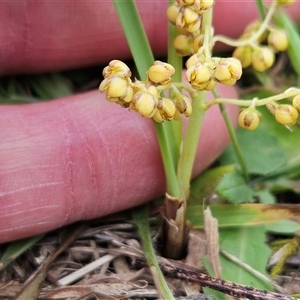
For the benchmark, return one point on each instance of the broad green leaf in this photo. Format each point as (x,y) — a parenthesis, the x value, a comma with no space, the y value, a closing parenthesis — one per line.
(242,215)
(249,247)
(203,186)
(262,152)
(265,197)
(283,227)
(289,141)
(233,188)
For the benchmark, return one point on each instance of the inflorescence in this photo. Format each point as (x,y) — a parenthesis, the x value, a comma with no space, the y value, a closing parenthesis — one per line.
(256,47)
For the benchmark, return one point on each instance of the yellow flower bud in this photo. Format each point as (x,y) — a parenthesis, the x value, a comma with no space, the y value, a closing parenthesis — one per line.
(249,118)
(157,117)
(278,40)
(296,102)
(272,107)
(183,45)
(286,114)
(183,104)
(116,89)
(228,71)
(145,104)
(198,76)
(188,19)
(202,6)
(244,55)
(160,73)
(172,13)
(194,59)
(285,2)
(262,58)
(167,108)
(198,42)
(116,67)
(251,28)
(211,85)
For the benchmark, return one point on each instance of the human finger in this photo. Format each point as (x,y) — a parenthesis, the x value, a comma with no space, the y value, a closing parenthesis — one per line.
(81,157)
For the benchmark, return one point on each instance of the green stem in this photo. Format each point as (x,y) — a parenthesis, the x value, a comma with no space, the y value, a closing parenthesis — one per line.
(176,61)
(191,139)
(173,187)
(190,143)
(140,218)
(234,142)
(256,35)
(259,102)
(143,58)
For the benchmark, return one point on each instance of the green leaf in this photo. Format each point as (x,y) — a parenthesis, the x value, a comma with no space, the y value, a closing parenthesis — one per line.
(283,227)
(242,215)
(248,245)
(135,35)
(262,152)
(203,187)
(140,219)
(265,197)
(15,249)
(233,188)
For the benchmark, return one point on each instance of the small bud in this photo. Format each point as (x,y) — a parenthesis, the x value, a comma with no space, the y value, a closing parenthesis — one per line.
(144,103)
(262,58)
(116,67)
(198,42)
(198,76)
(160,73)
(188,19)
(183,104)
(296,102)
(167,108)
(285,2)
(249,118)
(194,59)
(244,55)
(116,89)
(202,6)
(183,45)
(172,13)
(228,71)
(278,40)
(211,85)
(253,27)
(272,107)
(157,117)
(286,114)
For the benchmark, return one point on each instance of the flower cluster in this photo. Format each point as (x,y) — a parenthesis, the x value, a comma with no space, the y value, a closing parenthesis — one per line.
(285,114)
(260,53)
(144,97)
(204,73)
(186,15)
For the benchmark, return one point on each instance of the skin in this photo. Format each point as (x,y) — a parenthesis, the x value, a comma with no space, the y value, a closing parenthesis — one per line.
(81,157)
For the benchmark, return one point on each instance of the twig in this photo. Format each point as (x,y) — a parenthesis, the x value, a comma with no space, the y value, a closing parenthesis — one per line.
(226,287)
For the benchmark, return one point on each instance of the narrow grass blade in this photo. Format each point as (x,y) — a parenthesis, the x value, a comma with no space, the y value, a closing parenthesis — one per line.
(15,249)
(135,35)
(294,40)
(140,218)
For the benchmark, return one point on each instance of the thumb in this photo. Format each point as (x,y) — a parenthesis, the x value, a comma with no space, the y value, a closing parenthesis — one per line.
(81,157)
